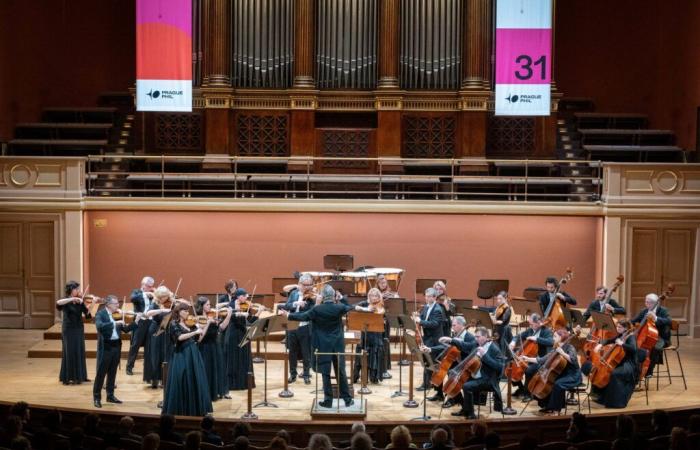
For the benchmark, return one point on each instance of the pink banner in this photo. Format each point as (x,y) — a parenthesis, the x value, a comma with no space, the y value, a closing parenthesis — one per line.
(523,56)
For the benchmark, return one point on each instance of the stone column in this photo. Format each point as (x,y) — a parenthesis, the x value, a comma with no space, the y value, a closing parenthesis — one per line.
(304,44)
(217,52)
(389,44)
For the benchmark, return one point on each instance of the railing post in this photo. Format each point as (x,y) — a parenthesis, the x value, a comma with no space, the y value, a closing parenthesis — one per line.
(380,178)
(526,178)
(162,175)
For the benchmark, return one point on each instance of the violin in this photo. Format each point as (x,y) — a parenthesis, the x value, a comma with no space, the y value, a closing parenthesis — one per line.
(447,358)
(554,314)
(127,316)
(542,382)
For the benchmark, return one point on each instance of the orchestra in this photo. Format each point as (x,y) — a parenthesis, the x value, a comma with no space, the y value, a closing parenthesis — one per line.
(471,359)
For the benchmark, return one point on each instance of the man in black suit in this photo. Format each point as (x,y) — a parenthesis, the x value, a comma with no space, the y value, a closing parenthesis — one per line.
(141,298)
(545,340)
(299,340)
(597,305)
(327,336)
(662,321)
(546,299)
(488,376)
(109,348)
(431,321)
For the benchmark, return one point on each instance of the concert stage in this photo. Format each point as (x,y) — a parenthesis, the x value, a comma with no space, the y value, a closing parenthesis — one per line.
(35,380)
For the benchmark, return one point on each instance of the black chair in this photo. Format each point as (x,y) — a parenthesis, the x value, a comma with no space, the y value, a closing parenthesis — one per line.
(577,391)
(676,349)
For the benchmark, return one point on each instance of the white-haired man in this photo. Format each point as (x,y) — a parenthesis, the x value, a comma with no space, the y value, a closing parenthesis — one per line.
(662,320)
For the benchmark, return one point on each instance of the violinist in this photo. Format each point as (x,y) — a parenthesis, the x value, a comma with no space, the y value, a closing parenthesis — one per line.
(211,349)
(239,360)
(73,366)
(109,348)
(160,348)
(300,299)
(569,378)
(501,321)
(446,302)
(384,288)
(465,342)
(488,376)
(600,305)
(187,390)
(141,298)
(624,377)
(372,341)
(662,320)
(230,287)
(431,320)
(544,339)
(546,299)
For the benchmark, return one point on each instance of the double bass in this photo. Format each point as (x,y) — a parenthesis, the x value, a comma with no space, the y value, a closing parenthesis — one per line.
(613,355)
(554,314)
(648,334)
(596,336)
(541,384)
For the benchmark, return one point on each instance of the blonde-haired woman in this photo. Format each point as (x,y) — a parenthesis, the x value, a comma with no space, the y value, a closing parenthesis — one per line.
(372,341)
(160,348)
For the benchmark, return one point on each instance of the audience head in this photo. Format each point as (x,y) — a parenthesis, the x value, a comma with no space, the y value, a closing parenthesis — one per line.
(625,426)
(357,427)
(319,441)
(126,424)
(284,434)
(529,443)
(241,443)
(492,440)
(661,421)
(53,420)
(401,437)
(439,437)
(13,426)
(278,443)
(76,437)
(207,423)
(694,424)
(151,441)
(167,422)
(361,441)
(448,430)
(241,429)
(192,440)
(679,439)
(21,410)
(20,443)
(91,421)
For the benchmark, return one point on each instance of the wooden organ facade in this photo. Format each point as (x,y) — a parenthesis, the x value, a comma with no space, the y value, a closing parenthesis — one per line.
(352,78)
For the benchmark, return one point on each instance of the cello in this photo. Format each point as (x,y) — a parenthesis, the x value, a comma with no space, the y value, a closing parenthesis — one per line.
(516,369)
(613,355)
(461,374)
(554,314)
(541,384)
(447,358)
(648,334)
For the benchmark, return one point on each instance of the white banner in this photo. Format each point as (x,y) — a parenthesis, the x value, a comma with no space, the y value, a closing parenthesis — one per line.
(164,95)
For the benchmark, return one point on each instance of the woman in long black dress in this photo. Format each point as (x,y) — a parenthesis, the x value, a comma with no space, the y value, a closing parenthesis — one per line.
(371,341)
(73,365)
(623,378)
(160,345)
(239,360)
(501,322)
(187,389)
(210,348)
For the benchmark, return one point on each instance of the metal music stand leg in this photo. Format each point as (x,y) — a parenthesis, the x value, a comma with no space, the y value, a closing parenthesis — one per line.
(425,415)
(258,359)
(285,392)
(399,392)
(402,359)
(410,403)
(265,402)
(250,414)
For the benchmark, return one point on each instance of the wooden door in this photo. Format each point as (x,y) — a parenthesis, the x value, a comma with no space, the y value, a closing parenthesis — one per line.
(27,274)
(662,255)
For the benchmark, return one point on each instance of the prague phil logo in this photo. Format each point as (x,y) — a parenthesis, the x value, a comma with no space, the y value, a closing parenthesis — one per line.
(153,94)
(512,99)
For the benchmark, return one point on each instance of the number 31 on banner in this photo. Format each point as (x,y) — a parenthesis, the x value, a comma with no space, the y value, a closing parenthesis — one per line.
(527,67)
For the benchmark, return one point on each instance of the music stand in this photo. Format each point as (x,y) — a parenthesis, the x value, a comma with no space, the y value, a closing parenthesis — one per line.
(603,322)
(424,283)
(287,325)
(489,288)
(478,317)
(523,308)
(260,329)
(339,263)
(345,287)
(355,299)
(409,330)
(428,364)
(533,293)
(577,318)
(280,282)
(462,304)
(365,322)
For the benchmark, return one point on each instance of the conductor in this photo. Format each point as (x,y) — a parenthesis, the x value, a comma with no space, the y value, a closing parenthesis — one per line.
(327,336)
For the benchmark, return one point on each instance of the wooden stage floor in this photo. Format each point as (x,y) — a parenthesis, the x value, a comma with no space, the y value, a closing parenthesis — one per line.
(35,380)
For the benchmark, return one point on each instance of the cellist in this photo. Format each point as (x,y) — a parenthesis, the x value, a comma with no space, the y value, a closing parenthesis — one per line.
(600,305)
(488,376)
(547,298)
(569,378)
(661,318)
(464,341)
(545,340)
(623,378)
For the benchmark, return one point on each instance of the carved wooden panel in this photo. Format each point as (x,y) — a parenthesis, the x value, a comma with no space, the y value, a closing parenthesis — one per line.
(433,136)
(510,136)
(262,135)
(345,143)
(180,132)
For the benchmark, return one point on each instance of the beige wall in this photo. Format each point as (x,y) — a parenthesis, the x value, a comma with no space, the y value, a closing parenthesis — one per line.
(207,248)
